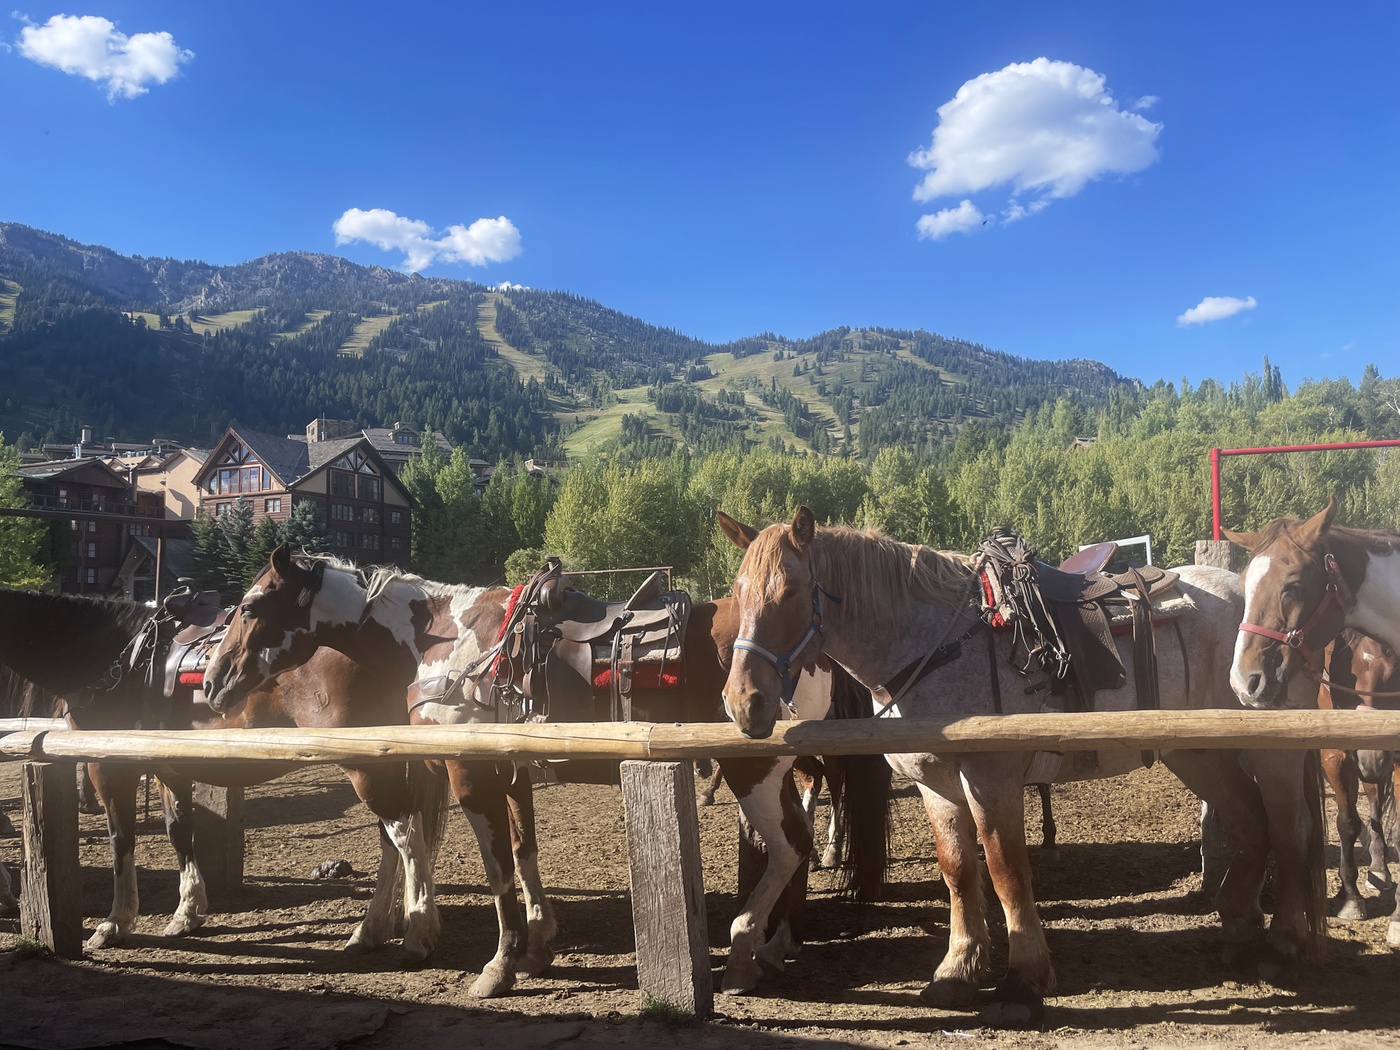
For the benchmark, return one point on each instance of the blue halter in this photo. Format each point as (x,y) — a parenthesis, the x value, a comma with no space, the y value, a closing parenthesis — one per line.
(782,662)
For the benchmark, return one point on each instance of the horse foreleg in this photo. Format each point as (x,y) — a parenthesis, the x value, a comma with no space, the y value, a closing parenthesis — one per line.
(480,792)
(1376,769)
(998,805)
(838,814)
(1290,786)
(1340,769)
(770,804)
(177,801)
(959,975)
(117,791)
(1049,848)
(539,912)
(1217,778)
(712,779)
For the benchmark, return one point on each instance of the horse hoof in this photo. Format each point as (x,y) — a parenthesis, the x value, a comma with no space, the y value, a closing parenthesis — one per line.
(739,979)
(949,994)
(1351,911)
(1013,1014)
(1276,967)
(494,981)
(535,963)
(182,927)
(1392,935)
(108,935)
(706,799)
(830,859)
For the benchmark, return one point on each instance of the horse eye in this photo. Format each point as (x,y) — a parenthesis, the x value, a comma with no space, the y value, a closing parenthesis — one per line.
(247,612)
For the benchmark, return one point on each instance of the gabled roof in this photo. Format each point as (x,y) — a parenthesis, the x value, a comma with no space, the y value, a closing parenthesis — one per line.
(293,460)
(322,452)
(67,468)
(285,458)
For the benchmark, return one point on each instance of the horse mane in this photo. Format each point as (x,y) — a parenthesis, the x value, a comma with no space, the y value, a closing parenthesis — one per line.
(1374,541)
(865,569)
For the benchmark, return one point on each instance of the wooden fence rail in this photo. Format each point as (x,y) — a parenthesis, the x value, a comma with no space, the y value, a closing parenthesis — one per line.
(1090,731)
(668,898)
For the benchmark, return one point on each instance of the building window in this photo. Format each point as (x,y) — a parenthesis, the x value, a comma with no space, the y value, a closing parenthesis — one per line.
(396,517)
(272,506)
(367,489)
(74,523)
(92,526)
(395,543)
(238,471)
(92,576)
(341,539)
(369,515)
(342,512)
(92,550)
(369,541)
(73,550)
(354,476)
(220,509)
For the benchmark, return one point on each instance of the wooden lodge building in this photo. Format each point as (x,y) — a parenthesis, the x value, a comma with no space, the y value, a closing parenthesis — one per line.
(365,506)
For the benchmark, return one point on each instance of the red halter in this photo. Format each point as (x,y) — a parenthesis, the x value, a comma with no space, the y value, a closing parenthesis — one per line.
(1337,592)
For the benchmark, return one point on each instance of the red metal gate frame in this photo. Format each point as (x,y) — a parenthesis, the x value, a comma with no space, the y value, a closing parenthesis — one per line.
(1217,453)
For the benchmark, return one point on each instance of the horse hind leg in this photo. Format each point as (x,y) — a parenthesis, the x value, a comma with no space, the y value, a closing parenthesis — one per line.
(177,801)
(377,927)
(540,925)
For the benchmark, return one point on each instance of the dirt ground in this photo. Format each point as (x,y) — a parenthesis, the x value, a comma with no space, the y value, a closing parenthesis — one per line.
(1135,945)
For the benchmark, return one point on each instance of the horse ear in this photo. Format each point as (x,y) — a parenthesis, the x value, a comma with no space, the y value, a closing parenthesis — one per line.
(804,527)
(1322,520)
(313,585)
(281,559)
(739,534)
(1247,540)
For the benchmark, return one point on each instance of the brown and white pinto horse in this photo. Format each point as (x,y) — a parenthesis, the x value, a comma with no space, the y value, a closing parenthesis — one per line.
(1305,581)
(73,646)
(411,629)
(881,608)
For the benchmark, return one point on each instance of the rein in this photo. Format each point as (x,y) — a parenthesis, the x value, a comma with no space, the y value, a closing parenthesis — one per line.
(783,662)
(1337,592)
(1326,679)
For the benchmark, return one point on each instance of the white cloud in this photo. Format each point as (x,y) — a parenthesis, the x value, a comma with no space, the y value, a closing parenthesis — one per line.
(1042,128)
(1215,308)
(484,241)
(1144,103)
(91,46)
(510,286)
(965,218)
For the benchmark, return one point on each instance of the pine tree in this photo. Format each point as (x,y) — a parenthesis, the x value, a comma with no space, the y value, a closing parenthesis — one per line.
(305,529)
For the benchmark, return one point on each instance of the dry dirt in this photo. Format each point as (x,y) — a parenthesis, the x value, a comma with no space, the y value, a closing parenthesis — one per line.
(1135,945)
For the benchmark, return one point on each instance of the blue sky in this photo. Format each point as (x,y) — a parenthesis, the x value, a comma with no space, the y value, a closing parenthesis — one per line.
(1177,190)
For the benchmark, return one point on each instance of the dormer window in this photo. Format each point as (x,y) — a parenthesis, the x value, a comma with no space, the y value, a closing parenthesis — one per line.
(353,476)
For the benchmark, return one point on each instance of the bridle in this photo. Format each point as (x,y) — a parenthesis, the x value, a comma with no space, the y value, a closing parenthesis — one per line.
(1337,593)
(783,662)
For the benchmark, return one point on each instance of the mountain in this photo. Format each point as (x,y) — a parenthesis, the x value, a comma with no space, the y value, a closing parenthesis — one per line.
(138,347)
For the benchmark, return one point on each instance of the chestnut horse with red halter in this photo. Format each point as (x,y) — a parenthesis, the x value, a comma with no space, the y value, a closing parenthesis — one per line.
(1362,673)
(412,631)
(888,612)
(73,647)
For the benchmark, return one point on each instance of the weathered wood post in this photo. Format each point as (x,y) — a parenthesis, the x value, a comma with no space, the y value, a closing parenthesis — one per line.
(218,837)
(668,887)
(1220,553)
(51,901)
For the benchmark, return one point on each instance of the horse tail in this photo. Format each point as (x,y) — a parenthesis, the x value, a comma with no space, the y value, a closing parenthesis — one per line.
(427,793)
(867,798)
(1315,905)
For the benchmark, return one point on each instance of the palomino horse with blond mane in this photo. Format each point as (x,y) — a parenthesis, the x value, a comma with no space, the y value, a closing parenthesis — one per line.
(415,633)
(906,621)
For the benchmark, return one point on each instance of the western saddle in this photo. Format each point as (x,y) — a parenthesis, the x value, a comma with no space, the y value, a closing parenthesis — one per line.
(581,658)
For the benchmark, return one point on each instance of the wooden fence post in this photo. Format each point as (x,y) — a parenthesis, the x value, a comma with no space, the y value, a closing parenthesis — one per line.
(218,837)
(668,887)
(51,900)
(1220,553)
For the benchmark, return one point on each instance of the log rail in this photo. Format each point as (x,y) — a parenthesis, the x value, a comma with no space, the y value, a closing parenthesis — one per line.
(664,857)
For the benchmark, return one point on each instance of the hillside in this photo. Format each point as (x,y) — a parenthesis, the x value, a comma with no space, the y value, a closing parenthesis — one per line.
(138,347)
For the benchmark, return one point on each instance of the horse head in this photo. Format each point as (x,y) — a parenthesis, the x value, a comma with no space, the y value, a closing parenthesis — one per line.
(292,608)
(1296,600)
(779,609)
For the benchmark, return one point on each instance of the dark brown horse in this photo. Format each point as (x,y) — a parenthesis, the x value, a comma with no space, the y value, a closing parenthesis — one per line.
(413,631)
(1364,674)
(73,647)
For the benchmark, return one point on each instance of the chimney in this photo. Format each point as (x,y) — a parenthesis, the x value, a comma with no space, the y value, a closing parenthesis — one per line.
(85,434)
